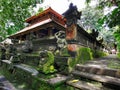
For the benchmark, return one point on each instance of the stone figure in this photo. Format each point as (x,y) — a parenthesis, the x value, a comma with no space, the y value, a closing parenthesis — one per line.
(72,15)
(61,41)
(46,63)
(12,53)
(28,46)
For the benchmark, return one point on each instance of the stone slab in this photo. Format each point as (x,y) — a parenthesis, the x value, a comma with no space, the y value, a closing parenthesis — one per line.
(6,61)
(5,84)
(58,80)
(97,70)
(27,68)
(99,78)
(82,85)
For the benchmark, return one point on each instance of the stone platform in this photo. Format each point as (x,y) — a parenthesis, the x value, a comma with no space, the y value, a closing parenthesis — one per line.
(5,84)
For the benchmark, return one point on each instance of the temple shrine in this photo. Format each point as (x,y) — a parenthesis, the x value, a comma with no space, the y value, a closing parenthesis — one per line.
(44,25)
(47,50)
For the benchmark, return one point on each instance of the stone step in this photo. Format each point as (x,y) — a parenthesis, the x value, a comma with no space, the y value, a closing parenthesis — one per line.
(94,69)
(59,79)
(99,78)
(27,68)
(82,85)
(5,84)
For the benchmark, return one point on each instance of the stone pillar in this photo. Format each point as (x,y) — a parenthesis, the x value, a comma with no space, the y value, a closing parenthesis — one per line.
(72,15)
(50,32)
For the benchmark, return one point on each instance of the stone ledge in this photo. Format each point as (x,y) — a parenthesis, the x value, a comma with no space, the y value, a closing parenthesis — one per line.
(27,68)
(82,85)
(6,61)
(58,80)
(99,78)
(6,85)
(98,70)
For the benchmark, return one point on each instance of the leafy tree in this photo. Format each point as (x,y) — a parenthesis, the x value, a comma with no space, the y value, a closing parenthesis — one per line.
(13,14)
(112,19)
(90,17)
(117,36)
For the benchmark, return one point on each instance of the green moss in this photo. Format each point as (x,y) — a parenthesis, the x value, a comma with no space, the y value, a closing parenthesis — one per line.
(114,65)
(64,52)
(118,55)
(98,54)
(84,55)
(48,67)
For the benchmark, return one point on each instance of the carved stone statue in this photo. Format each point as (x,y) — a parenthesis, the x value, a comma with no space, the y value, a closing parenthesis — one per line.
(61,41)
(46,63)
(28,46)
(72,15)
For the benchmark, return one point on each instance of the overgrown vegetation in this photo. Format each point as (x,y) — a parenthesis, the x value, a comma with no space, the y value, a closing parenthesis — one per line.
(98,53)
(46,63)
(114,65)
(118,54)
(84,55)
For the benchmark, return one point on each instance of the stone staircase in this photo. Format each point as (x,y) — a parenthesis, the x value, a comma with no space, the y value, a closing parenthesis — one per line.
(5,84)
(103,76)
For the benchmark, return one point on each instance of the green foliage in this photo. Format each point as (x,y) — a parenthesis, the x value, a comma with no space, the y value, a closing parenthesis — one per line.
(114,65)
(44,86)
(90,18)
(48,67)
(117,37)
(64,52)
(72,62)
(118,54)
(98,54)
(113,19)
(39,11)
(13,14)
(84,54)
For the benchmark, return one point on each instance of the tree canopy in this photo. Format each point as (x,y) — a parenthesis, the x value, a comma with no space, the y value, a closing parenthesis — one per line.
(13,14)
(112,19)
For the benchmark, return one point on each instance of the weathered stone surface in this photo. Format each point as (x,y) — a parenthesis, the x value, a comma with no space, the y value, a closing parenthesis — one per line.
(58,80)
(118,74)
(6,61)
(5,84)
(98,70)
(100,78)
(82,85)
(27,68)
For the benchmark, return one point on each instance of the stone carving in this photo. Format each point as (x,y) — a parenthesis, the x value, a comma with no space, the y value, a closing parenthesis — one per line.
(94,33)
(46,62)
(100,39)
(28,46)
(15,41)
(61,41)
(72,15)
(12,54)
